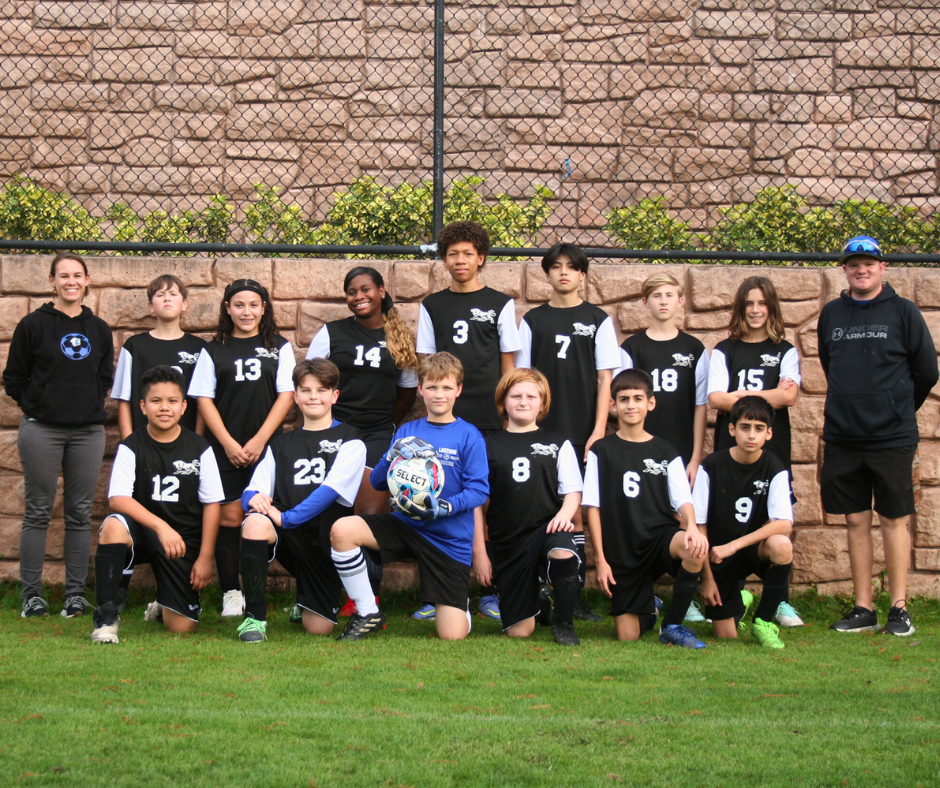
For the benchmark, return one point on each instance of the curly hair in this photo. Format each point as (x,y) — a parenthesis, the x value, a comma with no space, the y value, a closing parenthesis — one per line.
(737,328)
(267,330)
(399,339)
(456,232)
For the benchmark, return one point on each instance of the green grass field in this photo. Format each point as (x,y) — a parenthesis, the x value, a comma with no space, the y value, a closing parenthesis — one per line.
(403,709)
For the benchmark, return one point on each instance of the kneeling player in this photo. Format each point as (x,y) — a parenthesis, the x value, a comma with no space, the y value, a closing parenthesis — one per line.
(165,494)
(535,491)
(742,497)
(439,535)
(307,479)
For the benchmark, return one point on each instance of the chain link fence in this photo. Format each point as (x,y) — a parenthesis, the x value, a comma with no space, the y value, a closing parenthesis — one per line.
(312,122)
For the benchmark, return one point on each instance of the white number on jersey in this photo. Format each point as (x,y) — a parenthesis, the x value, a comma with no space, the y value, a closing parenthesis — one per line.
(374,356)
(165,489)
(564,341)
(309,471)
(667,380)
(247,369)
(743,507)
(631,484)
(754,379)
(461,331)
(520,469)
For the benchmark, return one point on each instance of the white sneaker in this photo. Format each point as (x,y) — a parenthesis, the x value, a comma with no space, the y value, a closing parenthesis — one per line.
(107,633)
(786,616)
(153,612)
(694,613)
(233,604)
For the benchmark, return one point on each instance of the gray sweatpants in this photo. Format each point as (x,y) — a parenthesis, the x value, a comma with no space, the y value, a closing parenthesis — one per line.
(45,449)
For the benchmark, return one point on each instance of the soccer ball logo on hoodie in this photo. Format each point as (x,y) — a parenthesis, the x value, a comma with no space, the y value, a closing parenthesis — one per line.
(75,346)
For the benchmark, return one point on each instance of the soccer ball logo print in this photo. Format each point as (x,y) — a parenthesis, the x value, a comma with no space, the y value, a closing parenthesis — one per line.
(75,346)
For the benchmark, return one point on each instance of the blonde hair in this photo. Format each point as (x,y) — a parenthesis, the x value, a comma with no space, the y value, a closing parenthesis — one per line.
(518,375)
(439,366)
(737,329)
(660,279)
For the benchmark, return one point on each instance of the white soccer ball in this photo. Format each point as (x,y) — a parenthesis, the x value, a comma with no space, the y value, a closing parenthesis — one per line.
(416,478)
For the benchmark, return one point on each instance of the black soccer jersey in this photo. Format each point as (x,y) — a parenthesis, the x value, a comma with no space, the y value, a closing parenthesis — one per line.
(368,377)
(244,378)
(732,499)
(569,345)
(679,368)
(142,352)
(297,463)
(754,366)
(171,480)
(530,474)
(637,487)
(476,327)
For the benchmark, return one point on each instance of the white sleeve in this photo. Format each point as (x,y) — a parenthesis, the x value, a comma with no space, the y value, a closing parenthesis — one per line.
(123,473)
(700,496)
(523,358)
(701,379)
(286,361)
(426,342)
(779,502)
(790,366)
(407,379)
(210,483)
(508,333)
(592,493)
(569,470)
(679,490)
(718,379)
(203,382)
(121,388)
(262,478)
(606,349)
(320,347)
(346,474)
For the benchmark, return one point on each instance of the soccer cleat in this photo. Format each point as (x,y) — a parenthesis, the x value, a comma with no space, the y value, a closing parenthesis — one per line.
(767,634)
(564,635)
(786,616)
(583,613)
(233,604)
(748,599)
(252,631)
(75,605)
(34,607)
(899,622)
(295,615)
(154,612)
(425,613)
(361,626)
(489,607)
(544,616)
(694,614)
(859,619)
(678,635)
(107,622)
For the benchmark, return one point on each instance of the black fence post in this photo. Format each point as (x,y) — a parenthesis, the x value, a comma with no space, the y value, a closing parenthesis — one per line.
(438,175)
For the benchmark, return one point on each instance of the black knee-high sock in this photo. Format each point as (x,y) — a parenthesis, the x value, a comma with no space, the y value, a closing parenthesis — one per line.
(227,546)
(255,576)
(563,576)
(776,584)
(683,592)
(582,554)
(374,568)
(110,561)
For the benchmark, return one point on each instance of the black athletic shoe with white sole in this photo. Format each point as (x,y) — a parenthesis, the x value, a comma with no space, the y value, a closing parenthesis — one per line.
(564,635)
(34,607)
(899,622)
(860,619)
(361,626)
(76,605)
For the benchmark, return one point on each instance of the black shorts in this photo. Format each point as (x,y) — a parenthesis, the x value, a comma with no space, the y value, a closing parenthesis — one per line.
(444,581)
(234,481)
(517,568)
(377,441)
(305,553)
(728,576)
(633,592)
(174,588)
(852,475)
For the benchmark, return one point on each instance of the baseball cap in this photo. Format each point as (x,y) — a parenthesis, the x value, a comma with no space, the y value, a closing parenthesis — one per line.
(861,246)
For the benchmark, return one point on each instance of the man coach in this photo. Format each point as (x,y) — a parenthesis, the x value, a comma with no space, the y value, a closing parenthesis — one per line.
(880,363)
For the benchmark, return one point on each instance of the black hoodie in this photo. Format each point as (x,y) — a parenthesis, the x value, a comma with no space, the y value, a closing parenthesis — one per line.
(60,368)
(881,363)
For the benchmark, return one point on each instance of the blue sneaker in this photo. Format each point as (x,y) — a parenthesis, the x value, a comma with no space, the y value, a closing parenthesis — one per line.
(426,613)
(489,607)
(678,635)
(658,604)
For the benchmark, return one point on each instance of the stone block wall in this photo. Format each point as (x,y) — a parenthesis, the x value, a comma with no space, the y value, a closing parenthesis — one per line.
(306,293)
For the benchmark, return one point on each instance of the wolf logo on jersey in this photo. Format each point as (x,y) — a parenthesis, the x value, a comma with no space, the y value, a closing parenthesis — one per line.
(181,468)
(761,487)
(550,450)
(656,468)
(263,352)
(483,317)
(383,343)
(581,330)
(330,447)
(188,358)
(767,360)
(680,360)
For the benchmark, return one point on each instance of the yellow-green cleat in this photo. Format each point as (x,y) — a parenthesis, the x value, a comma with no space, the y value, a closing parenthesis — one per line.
(767,634)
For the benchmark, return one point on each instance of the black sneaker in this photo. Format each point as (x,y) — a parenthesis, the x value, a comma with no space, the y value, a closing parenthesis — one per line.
(75,606)
(544,616)
(860,619)
(583,613)
(34,607)
(899,622)
(564,635)
(360,626)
